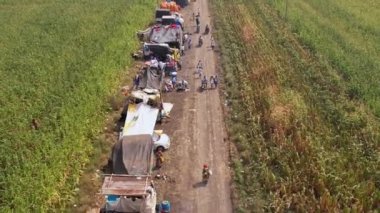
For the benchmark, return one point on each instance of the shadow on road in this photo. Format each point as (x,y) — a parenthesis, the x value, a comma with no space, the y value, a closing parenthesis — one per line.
(201,90)
(199,184)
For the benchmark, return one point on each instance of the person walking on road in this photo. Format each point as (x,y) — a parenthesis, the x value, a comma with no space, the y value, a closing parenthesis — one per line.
(200,64)
(204,82)
(199,71)
(212,43)
(200,41)
(189,43)
(136,81)
(185,38)
(212,81)
(182,49)
(216,81)
(199,68)
(206,173)
(198,23)
(159,159)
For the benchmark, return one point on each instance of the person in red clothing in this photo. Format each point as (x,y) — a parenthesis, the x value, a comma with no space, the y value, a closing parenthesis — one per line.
(205,173)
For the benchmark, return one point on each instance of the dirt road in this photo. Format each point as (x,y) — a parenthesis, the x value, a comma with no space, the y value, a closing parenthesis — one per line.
(198,132)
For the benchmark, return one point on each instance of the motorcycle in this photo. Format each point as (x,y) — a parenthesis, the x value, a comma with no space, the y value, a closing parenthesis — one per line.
(205,178)
(206,173)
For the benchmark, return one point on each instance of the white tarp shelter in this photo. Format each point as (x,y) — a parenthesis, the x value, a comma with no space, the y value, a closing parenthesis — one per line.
(140,120)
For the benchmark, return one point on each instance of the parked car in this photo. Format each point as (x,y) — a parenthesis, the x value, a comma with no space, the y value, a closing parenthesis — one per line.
(161,140)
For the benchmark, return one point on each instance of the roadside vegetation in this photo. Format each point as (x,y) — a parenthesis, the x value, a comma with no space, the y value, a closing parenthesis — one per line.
(304,104)
(59,62)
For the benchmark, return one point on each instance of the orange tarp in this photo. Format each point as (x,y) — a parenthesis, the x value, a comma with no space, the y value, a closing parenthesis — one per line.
(172,6)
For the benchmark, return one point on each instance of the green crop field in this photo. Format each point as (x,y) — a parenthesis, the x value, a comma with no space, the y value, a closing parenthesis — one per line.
(347,34)
(303,88)
(59,61)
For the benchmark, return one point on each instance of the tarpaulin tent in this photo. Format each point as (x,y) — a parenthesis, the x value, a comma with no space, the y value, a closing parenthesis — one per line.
(158,50)
(152,78)
(160,34)
(133,155)
(170,34)
(141,119)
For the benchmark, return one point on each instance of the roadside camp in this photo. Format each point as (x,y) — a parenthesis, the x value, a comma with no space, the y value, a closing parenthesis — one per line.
(129,187)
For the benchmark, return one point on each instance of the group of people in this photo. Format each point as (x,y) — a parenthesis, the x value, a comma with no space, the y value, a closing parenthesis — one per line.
(172,84)
(206,172)
(207,31)
(214,80)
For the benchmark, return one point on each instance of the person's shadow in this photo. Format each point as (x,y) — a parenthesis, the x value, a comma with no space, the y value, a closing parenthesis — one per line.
(199,184)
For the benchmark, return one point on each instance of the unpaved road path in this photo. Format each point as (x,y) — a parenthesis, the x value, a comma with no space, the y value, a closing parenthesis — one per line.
(198,133)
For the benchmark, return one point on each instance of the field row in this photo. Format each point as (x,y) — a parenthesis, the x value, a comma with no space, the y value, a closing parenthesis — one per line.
(309,147)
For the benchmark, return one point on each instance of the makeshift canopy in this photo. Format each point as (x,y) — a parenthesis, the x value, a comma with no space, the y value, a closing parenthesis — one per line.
(135,194)
(140,120)
(152,78)
(158,50)
(170,34)
(126,185)
(133,155)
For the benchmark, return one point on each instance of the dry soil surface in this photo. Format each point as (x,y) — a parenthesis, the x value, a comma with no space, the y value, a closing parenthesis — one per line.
(197,132)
